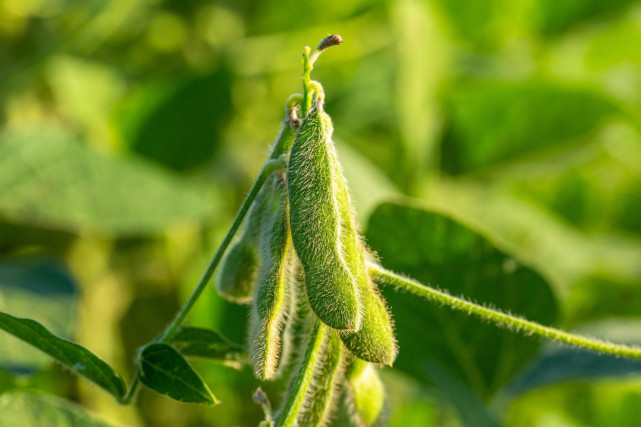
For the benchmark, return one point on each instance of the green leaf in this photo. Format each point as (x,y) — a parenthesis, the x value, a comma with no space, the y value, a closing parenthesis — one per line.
(209,344)
(559,364)
(470,407)
(179,121)
(50,180)
(31,282)
(499,122)
(21,409)
(553,17)
(439,251)
(164,370)
(77,358)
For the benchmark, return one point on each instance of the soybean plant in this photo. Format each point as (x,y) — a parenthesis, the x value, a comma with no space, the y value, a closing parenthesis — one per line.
(316,312)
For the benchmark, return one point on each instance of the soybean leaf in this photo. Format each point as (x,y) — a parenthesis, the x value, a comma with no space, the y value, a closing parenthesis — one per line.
(31,282)
(552,18)
(468,404)
(21,409)
(439,251)
(7,381)
(164,370)
(208,343)
(559,364)
(49,179)
(159,121)
(524,116)
(77,358)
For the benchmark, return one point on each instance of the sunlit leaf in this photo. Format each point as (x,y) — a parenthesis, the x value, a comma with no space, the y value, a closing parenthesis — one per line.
(77,358)
(164,370)
(48,179)
(21,409)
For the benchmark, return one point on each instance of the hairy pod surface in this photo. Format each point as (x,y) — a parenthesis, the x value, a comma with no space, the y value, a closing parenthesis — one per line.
(239,272)
(314,183)
(365,393)
(375,342)
(273,300)
(329,374)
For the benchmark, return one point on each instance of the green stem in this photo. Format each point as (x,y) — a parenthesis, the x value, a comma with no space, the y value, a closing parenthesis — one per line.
(268,168)
(304,378)
(389,278)
(306,77)
(129,397)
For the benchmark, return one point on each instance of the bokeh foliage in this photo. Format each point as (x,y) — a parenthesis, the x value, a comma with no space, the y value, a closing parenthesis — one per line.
(502,137)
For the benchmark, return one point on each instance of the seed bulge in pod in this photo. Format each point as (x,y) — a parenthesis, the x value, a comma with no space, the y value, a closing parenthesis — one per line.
(316,223)
(239,272)
(272,301)
(375,342)
(329,373)
(365,393)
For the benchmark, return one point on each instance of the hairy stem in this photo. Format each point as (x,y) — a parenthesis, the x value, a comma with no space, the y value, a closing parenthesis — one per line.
(385,277)
(304,378)
(309,58)
(268,168)
(306,77)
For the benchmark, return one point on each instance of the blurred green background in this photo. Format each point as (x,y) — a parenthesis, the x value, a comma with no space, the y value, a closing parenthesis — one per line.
(132,129)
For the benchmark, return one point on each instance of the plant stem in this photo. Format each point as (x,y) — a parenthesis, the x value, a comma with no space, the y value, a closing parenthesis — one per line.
(389,278)
(309,58)
(297,395)
(306,77)
(268,168)
(132,390)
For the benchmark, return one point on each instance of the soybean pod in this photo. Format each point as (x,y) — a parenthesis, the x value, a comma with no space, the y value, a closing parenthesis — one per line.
(240,268)
(273,300)
(365,394)
(316,229)
(329,373)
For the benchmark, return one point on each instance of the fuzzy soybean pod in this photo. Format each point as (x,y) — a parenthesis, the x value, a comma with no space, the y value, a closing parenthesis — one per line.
(329,374)
(365,394)
(316,231)
(240,266)
(285,138)
(273,300)
(375,341)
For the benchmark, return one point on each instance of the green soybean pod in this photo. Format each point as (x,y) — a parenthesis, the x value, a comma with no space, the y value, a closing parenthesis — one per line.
(240,266)
(375,342)
(365,393)
(329,374)
(272,301)
(285,138)
(316,225)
